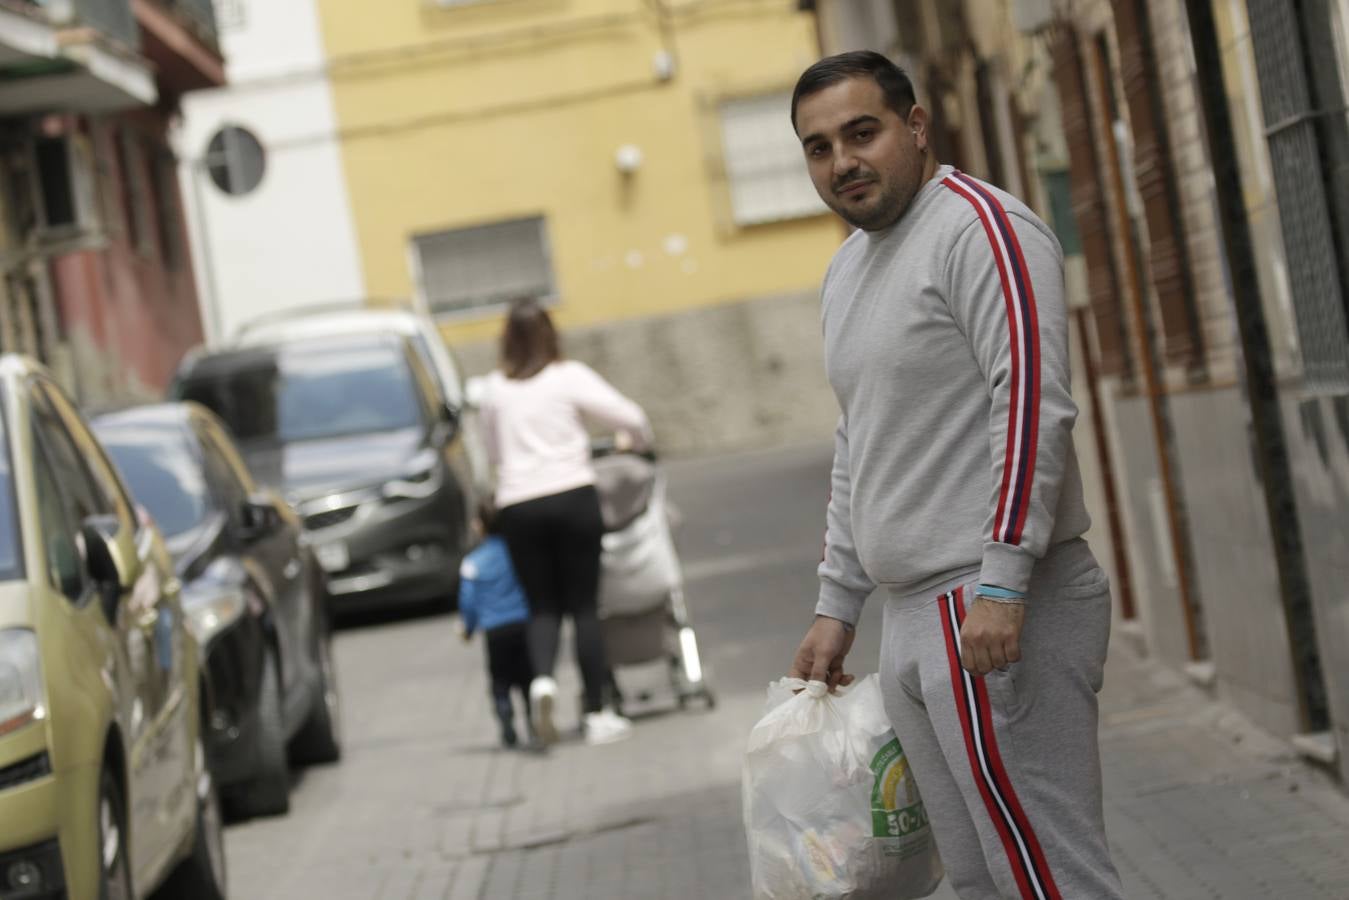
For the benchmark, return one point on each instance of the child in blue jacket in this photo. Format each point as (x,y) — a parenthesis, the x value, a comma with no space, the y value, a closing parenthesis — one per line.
(491,600)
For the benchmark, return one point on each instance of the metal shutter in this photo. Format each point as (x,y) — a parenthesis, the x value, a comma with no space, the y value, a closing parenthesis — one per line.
(485,265)
(1168,253)
(1089,206)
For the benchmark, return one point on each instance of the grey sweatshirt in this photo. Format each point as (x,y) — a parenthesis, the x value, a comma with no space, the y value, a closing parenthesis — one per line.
(946,343)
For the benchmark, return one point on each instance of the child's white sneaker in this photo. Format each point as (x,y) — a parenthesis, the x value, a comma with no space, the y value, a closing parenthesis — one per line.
(606,727)
(542,697)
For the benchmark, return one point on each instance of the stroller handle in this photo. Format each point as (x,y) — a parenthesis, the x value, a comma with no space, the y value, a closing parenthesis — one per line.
(601,447)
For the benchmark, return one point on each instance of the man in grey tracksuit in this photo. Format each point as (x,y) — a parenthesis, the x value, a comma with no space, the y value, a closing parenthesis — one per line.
(956,492)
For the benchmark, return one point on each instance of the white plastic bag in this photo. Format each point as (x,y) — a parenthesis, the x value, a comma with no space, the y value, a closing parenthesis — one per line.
(831,809)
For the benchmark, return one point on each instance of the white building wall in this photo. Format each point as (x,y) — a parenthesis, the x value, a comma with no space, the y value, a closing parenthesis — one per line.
(291,241)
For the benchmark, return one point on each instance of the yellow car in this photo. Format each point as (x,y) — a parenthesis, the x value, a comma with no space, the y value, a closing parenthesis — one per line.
(104,791)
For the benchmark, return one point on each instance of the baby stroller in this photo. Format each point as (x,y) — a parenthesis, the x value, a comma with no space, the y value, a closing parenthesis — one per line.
(641,601)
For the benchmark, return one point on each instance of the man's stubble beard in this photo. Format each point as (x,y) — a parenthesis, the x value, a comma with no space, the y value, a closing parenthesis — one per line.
(889,208)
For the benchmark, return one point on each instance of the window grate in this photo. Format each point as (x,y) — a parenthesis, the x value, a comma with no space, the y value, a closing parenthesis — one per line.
(1301,185)
(765,167)
(484,265)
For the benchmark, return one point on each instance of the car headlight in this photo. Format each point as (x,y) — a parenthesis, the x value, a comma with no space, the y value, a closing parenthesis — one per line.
(21,701)
(420,479)
(212,612)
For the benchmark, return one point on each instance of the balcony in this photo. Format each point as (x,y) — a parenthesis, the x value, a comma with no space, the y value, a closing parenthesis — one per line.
(71,55)
(180,38)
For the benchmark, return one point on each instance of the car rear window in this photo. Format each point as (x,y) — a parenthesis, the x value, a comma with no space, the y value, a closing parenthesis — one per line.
(309,392)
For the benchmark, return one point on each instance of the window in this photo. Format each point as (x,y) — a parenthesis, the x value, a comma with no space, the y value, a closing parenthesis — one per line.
(135,195)
(231,489)
(166,209)
(66,182)
(58,521)
(54,172)
(109,495)
(215,435)
(67,495)
(11,544)
(765,167)
(235,160)
(470,268)
(85,497)
(311,391)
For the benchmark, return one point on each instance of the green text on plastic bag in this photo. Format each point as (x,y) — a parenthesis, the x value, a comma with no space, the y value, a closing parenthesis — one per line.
(891,814)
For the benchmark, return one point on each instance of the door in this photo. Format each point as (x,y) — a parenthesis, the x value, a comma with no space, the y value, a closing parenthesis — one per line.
(148,624)
(275,560)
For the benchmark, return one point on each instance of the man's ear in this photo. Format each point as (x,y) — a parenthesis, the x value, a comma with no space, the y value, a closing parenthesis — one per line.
(919,122)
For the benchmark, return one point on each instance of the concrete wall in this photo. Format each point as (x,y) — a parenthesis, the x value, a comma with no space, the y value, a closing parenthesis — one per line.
(736,376)
(1151,561)
(1234,557)
(290,242)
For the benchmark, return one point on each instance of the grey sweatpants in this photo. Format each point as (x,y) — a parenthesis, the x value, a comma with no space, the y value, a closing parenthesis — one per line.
(1008,765)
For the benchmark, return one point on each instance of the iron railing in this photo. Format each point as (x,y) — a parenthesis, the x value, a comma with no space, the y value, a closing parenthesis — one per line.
(116,20)
(198,16)
(113,18)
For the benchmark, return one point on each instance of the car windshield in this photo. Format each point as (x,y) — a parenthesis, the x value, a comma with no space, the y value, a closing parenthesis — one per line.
(162,475)
(309,392)
(10,545)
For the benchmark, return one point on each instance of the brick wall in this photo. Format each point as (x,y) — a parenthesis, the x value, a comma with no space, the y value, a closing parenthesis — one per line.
(1194,179)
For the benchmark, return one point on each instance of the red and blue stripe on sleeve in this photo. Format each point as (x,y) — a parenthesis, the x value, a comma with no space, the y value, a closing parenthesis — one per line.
(1023,416)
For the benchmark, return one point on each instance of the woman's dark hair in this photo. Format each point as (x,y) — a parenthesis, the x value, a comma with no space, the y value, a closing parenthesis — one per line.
(893,80)
(529,342)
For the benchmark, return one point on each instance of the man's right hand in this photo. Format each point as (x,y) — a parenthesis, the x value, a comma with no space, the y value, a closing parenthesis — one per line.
(820,656)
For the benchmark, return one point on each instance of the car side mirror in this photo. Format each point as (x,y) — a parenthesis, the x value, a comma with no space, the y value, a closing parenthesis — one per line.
(102,555)
(260,517)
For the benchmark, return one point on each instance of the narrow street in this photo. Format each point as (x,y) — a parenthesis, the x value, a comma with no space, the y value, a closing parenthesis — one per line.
(424,805)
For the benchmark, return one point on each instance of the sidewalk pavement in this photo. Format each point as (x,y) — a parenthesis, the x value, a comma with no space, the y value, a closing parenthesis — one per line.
(1200,805)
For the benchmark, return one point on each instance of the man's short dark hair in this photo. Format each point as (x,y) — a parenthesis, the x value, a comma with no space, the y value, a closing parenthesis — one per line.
(894,81)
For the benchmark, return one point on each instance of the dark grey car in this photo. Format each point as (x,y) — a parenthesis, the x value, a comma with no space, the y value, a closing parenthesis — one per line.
(351,430)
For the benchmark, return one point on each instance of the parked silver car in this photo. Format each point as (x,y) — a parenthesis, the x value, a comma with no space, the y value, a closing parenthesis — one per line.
(354,432)
(420,330)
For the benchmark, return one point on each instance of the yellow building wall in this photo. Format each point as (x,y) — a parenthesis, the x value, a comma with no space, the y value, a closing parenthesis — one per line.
(458,116)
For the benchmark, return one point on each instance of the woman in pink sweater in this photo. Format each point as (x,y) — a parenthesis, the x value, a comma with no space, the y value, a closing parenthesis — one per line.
(535,412)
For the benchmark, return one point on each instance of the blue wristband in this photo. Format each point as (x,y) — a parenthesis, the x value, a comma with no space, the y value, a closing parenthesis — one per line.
(1001,593)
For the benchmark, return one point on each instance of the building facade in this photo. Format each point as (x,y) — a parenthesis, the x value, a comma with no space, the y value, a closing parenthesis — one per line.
(1212,388)
(97,275)
(626,162)
(261,170)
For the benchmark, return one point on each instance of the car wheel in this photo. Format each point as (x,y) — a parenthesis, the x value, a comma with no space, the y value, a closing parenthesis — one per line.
(267,793)
(114,882)
(201,875)
(320,740)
